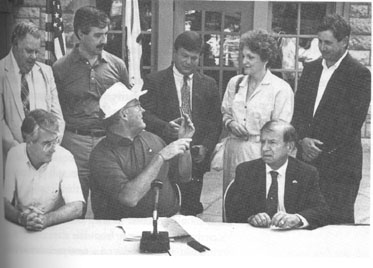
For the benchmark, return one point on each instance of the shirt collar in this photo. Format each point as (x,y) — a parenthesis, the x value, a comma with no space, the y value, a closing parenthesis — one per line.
(116,139)
(335,65)
(281,171)
(179,75)
(267,78)
(14,62)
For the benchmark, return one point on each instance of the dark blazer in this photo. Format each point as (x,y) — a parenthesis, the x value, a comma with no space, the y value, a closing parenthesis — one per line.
(247,195)
(162,105)
(338,119)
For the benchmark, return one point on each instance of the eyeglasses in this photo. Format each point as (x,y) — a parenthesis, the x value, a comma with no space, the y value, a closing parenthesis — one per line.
(138,105)
(50,144)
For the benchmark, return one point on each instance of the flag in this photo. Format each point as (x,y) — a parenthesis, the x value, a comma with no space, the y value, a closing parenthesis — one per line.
(55,46)
(134,49)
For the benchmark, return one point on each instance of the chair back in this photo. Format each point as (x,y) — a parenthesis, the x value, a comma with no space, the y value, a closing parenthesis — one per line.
(227,195)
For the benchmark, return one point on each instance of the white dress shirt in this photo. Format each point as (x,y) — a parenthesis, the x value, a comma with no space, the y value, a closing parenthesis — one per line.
(179,82)
(324,79)
(281,189)
(52,185)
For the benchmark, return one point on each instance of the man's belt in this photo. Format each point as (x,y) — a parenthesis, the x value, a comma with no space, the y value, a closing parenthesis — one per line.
(93,133)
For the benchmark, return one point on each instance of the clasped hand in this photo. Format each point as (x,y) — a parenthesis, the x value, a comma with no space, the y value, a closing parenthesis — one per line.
(33,219)
(280,219)
(239,130)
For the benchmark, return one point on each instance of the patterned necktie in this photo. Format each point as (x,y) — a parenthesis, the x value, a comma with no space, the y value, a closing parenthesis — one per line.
(185,97)
(272,198)
(25,95)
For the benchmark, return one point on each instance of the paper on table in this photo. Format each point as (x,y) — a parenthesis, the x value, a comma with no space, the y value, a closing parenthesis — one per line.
(176,226)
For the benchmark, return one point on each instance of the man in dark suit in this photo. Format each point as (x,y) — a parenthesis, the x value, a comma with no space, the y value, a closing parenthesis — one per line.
(331,104)
(181,87)
(276,190)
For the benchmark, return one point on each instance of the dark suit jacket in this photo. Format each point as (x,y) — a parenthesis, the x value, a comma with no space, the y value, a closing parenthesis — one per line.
(247,195)
(162,105)
(338,119)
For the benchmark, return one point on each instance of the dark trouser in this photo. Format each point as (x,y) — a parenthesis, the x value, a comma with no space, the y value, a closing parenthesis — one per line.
(190,197)
(81,147)
(341,200)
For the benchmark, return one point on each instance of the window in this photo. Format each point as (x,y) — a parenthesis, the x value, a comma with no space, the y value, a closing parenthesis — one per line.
(115,9)
(296,25)
(221,32)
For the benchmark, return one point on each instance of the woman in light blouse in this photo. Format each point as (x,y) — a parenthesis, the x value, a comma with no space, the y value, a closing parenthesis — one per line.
(251,100)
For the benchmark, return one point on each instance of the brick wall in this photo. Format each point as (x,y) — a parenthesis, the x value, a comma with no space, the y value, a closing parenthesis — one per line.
(360,43)
(34,10)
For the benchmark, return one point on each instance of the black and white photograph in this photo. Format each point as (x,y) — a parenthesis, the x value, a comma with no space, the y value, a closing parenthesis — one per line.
(134,131)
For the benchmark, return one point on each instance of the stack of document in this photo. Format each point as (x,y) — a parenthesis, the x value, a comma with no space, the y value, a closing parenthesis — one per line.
(178,226)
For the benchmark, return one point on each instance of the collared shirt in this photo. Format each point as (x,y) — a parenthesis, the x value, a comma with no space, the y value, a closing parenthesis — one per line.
(114,162)
(51,186)
(324,79)
(179,82)
(81,85)
(281,188)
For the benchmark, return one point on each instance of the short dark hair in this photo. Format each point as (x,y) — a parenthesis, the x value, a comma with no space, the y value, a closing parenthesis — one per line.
(87,17)
(36,120)
(289,132)
(337,25)
(22,29)
(262,43)
(189,40)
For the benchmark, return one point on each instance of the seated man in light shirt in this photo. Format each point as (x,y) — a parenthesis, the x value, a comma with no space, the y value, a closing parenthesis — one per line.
(276,189)
(41,186)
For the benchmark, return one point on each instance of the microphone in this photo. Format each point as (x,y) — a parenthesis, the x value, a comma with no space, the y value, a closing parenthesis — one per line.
(156,242)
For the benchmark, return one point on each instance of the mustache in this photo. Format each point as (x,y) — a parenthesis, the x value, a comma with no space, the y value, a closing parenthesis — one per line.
(101,46)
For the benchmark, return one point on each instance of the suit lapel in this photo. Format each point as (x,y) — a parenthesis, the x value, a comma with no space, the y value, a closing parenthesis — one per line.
(171,93)
(12,83)
(260,191)
(291,186)
(333,86)
(196,93)
(314,86)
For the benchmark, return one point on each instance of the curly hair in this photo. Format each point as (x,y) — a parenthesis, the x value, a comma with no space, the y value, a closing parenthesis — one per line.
(261,43)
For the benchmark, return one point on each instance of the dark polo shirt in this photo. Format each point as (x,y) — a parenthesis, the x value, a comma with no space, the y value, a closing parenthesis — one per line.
(117,160)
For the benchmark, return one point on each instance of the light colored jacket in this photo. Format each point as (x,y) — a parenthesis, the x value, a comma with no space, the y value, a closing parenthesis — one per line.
(43,95)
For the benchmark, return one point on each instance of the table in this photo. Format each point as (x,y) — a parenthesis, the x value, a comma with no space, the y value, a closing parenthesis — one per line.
(103,237)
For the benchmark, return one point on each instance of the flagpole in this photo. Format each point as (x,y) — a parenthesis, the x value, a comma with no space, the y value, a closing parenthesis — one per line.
(48,32)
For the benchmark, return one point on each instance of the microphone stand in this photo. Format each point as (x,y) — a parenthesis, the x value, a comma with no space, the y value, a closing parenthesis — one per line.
(156,242)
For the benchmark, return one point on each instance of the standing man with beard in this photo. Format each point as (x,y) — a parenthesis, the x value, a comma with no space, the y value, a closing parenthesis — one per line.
(82,77)
(182,87)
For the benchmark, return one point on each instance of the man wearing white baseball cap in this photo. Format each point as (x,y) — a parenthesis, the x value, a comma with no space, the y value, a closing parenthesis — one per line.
(125,163)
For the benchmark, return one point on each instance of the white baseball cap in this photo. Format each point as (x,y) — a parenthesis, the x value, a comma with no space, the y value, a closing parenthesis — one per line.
(116,97)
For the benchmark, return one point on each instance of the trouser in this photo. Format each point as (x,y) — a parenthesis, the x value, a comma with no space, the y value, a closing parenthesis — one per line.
(81,147)
(190,196)
(341,199)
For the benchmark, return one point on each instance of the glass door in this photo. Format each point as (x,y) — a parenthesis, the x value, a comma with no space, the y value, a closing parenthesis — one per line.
(220,24)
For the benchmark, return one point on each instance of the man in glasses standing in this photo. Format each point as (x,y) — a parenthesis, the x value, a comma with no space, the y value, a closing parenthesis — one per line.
(41,186)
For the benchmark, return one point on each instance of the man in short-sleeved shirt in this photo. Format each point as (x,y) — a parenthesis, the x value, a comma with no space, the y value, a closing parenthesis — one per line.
(125,163)
(41,186)
(81,78)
